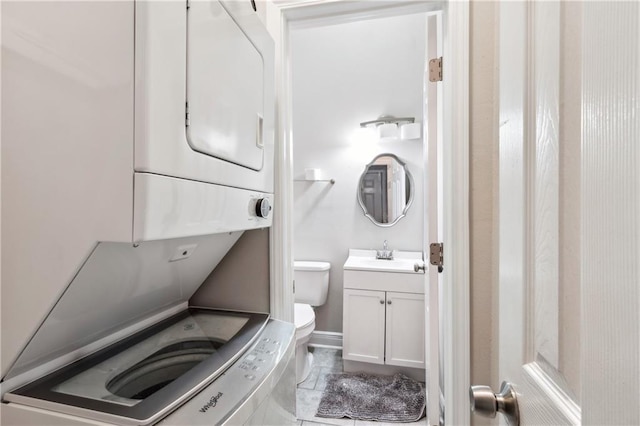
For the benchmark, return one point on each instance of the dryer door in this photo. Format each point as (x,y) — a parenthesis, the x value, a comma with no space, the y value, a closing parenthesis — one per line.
(225,87)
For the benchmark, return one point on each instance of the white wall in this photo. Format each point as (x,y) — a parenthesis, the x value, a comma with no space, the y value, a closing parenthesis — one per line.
(343,75)
(228,284)
(67,132)
(483,180)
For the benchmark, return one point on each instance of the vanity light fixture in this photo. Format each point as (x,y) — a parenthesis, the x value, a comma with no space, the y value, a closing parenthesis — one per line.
(387,119)
(388,126)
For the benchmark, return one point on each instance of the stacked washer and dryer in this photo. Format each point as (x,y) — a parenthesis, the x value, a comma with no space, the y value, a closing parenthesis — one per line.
(137,148)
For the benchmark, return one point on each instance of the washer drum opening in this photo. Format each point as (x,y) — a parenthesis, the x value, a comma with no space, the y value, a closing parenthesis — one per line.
(161,368)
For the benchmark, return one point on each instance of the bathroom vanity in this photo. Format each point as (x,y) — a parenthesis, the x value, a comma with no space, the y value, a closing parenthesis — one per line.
(384,312)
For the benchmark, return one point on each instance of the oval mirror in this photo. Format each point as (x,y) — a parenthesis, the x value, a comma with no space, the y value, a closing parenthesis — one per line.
(386,190)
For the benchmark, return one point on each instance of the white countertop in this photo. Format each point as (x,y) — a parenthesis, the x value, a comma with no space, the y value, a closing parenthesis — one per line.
(365,260)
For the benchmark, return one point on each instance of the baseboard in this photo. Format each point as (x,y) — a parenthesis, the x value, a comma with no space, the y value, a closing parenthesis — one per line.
(326,339)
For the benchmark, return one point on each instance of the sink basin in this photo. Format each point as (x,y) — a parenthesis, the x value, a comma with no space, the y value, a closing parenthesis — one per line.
(365,260)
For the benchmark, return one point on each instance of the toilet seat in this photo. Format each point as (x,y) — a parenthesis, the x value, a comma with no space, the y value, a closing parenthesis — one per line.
(304,319)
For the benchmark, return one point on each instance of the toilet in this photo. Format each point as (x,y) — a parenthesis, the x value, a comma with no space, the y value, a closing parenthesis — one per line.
(311,289)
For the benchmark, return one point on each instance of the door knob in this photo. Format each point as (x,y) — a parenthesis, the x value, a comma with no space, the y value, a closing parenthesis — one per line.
(485,403)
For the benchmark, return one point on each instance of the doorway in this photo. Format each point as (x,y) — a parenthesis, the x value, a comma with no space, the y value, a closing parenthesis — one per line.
(374,192)
(292,179)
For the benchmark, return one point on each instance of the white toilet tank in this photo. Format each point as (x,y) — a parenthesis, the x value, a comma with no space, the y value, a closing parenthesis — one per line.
(312,282)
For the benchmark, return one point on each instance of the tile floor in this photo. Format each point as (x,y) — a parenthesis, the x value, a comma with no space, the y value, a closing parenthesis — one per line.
(326,361)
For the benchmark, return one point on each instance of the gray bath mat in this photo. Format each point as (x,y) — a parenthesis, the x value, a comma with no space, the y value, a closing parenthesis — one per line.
(364,396)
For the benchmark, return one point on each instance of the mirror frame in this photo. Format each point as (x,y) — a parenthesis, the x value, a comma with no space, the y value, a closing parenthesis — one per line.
(411,190)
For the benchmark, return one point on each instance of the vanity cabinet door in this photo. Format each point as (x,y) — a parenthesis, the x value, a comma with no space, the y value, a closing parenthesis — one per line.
(405,329)
(363,325)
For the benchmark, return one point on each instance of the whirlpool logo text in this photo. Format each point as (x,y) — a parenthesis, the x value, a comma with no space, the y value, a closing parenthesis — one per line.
(212,403)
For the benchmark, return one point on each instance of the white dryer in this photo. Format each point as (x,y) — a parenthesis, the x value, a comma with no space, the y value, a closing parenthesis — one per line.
(204,113)
(204,99)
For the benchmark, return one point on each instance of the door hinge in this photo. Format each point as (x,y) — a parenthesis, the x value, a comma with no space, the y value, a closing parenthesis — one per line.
(435,69)
(186,114)
(436,255)
(188,4)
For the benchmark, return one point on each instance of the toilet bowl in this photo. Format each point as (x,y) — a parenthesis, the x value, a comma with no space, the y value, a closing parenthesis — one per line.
(305,320)
(311,289)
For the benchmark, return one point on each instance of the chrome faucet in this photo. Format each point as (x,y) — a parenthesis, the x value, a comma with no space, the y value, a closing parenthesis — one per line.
(385,253)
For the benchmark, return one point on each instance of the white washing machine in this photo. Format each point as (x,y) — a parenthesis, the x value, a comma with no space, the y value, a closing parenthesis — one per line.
(198,367)
(122,347)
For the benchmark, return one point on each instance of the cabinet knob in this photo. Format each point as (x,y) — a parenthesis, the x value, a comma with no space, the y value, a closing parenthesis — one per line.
(388,302)
(382,302)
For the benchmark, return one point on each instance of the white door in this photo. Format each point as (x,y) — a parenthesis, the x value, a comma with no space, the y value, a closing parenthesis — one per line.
(433,231)
(537,348)
(569,210)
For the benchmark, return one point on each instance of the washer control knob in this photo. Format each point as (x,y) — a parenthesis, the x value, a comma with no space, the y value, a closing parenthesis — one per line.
(263,208)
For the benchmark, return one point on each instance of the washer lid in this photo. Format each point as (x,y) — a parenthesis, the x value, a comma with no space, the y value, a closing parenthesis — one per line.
(303,315)
(119,286)
(310,265)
